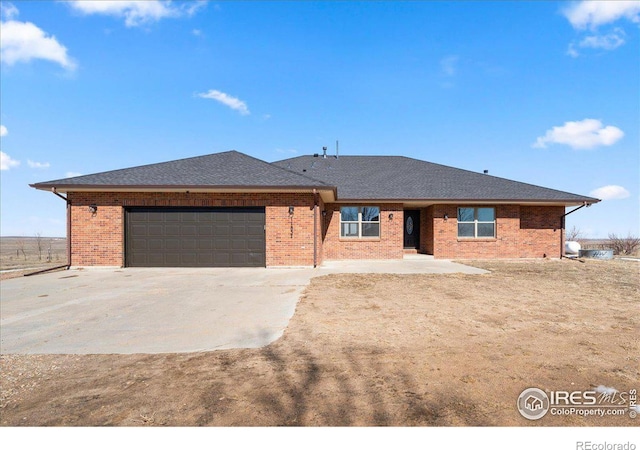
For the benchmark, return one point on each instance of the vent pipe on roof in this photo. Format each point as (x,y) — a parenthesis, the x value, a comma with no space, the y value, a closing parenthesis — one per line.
(324,152)
(337,154)
(486,172)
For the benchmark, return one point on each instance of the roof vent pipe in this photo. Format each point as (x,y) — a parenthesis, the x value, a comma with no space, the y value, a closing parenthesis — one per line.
(324,152)
(486,172)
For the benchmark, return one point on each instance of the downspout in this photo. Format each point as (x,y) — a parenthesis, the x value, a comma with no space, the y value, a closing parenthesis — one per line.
(315,228)
(562,225)
(68,202)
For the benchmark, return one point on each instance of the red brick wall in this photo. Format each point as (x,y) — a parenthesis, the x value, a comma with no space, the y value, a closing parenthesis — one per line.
(388,246)
(541,231)
(98,240)
(426,230)
(521,232)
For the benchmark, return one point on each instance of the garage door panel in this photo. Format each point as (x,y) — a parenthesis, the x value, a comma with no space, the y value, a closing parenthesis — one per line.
(238,230)
(255,245)
(220,244)
(172,244)
(195,237)
(171,230)
(155,244)
(154,259)
(221,229)
(222,259)
(155,230)
(205,230)
(139,244)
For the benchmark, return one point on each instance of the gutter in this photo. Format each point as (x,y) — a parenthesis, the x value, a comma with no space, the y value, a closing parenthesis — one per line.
(315,228)
(68,202)
(562,226)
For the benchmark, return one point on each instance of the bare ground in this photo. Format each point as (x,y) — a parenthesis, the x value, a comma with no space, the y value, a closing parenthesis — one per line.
(24,255)
(403,350)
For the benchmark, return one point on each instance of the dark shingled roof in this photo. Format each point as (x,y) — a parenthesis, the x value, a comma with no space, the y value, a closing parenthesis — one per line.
(227,169)
(402,178)
(355,178)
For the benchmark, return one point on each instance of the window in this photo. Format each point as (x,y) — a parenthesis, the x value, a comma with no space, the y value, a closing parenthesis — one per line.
(360,221)
(476,222)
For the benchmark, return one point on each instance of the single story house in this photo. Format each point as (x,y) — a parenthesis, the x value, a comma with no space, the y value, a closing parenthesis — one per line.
(232,210)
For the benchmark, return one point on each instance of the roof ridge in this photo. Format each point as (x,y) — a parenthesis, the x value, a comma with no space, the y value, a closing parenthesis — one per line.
(271,164)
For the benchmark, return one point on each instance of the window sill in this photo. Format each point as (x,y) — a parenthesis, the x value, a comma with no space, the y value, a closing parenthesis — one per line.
(360,239)
(481,239)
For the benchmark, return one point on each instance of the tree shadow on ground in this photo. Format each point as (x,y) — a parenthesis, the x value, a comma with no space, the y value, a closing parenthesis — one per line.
(352,387)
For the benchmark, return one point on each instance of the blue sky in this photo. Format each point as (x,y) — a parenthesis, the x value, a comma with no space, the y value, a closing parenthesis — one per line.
(540,92)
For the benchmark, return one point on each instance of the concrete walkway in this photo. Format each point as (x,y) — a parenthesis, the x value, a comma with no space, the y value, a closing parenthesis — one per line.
(411,264)
(166,310)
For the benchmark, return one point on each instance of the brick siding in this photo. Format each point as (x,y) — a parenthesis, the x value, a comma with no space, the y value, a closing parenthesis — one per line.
(98,239)
(388,246)
(521,232)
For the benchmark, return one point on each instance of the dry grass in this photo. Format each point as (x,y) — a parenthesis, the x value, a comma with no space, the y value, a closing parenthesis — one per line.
(370,350)
(21,255)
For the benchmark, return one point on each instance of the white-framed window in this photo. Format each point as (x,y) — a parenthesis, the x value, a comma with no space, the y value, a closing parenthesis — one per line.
(477,222)
(360,222)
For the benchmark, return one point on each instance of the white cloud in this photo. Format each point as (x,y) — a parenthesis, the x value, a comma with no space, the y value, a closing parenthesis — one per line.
(72,174)
(3,131)
(225,99)
(136,13)
(38,165)
(589,15)
(6,162)
(585,134)
(24,41)
(609,41)
(610,192)
(448,65)
(8,11)
(592,14)
(571,51)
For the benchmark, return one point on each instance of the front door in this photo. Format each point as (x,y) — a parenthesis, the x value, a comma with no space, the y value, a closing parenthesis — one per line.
(412,228)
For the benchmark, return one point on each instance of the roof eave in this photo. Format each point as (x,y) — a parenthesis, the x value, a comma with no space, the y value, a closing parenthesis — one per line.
(328,193)
(470,201)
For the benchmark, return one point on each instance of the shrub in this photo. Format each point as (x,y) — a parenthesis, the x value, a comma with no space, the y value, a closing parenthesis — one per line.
(624,245)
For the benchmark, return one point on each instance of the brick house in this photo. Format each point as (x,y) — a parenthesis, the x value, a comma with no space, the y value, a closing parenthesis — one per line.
(231,210)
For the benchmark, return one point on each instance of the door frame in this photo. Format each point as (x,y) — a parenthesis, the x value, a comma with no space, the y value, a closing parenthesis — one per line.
(415,215)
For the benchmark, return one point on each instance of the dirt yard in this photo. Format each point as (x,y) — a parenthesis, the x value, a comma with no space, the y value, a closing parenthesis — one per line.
(20,255)
(402,350)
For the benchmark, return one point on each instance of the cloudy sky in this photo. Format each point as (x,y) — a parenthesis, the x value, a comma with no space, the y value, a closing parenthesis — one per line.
(540,92)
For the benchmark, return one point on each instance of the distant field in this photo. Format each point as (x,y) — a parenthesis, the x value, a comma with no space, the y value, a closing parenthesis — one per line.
(32,252)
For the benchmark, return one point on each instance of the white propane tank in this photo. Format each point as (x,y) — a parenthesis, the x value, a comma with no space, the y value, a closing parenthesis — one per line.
(572,247)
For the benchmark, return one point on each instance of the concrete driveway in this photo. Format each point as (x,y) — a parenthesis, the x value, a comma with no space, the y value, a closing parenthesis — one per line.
(147,310)
(164,310)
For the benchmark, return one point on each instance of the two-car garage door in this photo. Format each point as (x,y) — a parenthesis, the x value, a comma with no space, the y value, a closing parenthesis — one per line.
(195,237)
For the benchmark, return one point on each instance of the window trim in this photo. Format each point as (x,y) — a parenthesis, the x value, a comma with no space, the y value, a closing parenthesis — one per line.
(360,223)
(476,222)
